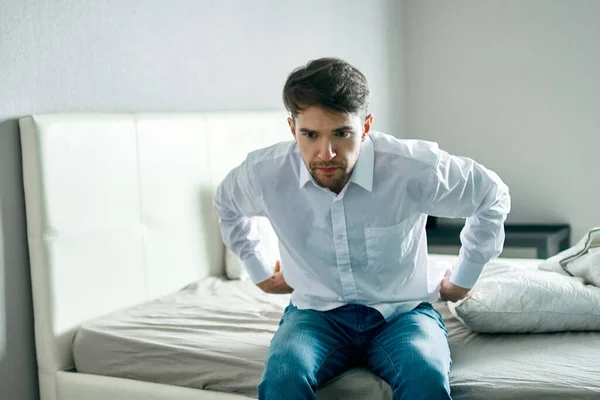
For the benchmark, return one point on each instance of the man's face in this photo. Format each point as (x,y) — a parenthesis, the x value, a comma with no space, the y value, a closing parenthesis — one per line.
(329,144)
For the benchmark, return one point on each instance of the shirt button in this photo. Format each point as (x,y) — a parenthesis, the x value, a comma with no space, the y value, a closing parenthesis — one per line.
(340,237)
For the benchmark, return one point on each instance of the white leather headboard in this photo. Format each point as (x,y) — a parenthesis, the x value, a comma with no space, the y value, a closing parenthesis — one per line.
(119,209)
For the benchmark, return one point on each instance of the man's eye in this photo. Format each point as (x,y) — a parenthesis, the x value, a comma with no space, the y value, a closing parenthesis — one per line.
(310,135)
(342,134)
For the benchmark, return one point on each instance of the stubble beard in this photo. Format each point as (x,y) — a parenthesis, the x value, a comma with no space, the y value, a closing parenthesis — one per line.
(336,186)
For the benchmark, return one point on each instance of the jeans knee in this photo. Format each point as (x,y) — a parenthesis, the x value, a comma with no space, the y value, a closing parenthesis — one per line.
(422,381)
(285,373)
(285,367)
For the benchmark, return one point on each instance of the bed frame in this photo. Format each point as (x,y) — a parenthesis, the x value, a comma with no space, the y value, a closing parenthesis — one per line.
(119,212)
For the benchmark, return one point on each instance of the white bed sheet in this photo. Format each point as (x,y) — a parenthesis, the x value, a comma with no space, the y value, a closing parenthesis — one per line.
(214,335)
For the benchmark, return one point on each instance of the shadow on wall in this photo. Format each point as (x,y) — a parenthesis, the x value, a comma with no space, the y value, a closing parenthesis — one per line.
(18,368)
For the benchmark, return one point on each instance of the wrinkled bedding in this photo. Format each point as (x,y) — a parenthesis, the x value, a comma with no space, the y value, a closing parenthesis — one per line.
(215,334)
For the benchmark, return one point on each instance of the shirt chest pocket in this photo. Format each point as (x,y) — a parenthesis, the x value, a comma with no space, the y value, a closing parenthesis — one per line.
(387,246)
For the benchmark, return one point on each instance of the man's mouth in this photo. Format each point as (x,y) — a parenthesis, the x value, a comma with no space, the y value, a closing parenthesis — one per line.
(328,170)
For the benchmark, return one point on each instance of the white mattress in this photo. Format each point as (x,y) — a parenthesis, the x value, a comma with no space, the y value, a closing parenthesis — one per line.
(214,335)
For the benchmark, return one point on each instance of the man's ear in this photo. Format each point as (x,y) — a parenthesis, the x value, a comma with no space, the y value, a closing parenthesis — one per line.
(367,126)
(292,127)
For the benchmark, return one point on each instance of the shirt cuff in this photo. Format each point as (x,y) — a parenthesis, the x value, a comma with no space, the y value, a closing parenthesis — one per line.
(466,273)
(257,268)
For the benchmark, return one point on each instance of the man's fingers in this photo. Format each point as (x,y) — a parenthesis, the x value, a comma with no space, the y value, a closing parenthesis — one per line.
(277,266)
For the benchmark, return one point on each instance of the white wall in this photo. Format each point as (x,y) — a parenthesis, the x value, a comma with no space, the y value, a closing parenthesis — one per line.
(159,55)
(515,85)
(181,55)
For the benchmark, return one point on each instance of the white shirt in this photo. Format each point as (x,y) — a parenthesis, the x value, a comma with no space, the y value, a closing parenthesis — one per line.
(368,244)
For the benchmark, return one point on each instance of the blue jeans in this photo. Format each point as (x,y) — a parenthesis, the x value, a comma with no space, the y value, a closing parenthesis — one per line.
(310,347)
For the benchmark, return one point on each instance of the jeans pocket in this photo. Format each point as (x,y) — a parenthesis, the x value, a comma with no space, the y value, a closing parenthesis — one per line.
(290,308)
(429,310)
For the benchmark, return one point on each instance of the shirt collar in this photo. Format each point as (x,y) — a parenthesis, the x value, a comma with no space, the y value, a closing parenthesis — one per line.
(363,170)
(362,174)
(304,174)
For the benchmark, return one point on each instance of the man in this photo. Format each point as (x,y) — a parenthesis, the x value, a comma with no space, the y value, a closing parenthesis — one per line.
(349,207)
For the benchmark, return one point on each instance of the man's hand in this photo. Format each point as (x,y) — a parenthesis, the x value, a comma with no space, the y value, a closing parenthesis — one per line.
(450,292)
(275,284)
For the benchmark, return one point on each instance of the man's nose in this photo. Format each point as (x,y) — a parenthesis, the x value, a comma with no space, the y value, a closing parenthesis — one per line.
(326,152)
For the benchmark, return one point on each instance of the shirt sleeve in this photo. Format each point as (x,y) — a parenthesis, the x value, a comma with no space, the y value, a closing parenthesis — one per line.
(237,200)
(459,187)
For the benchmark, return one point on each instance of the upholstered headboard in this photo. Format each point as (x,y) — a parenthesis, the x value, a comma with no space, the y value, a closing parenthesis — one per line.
(119,209)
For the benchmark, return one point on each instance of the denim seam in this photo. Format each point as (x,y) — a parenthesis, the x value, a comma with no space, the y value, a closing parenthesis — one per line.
(388,356)
(326,357)
(322,362)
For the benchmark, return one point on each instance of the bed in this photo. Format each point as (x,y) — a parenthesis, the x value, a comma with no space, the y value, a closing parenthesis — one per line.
(129,296)
(215,334)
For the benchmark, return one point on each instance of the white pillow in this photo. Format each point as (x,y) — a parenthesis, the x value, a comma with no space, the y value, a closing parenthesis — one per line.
(512,298)
(581,260)
(234,267)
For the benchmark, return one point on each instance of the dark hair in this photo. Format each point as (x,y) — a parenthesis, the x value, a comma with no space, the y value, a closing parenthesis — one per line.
(329,83)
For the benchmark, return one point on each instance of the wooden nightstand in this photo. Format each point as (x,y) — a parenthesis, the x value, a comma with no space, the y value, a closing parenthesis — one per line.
(523,241)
